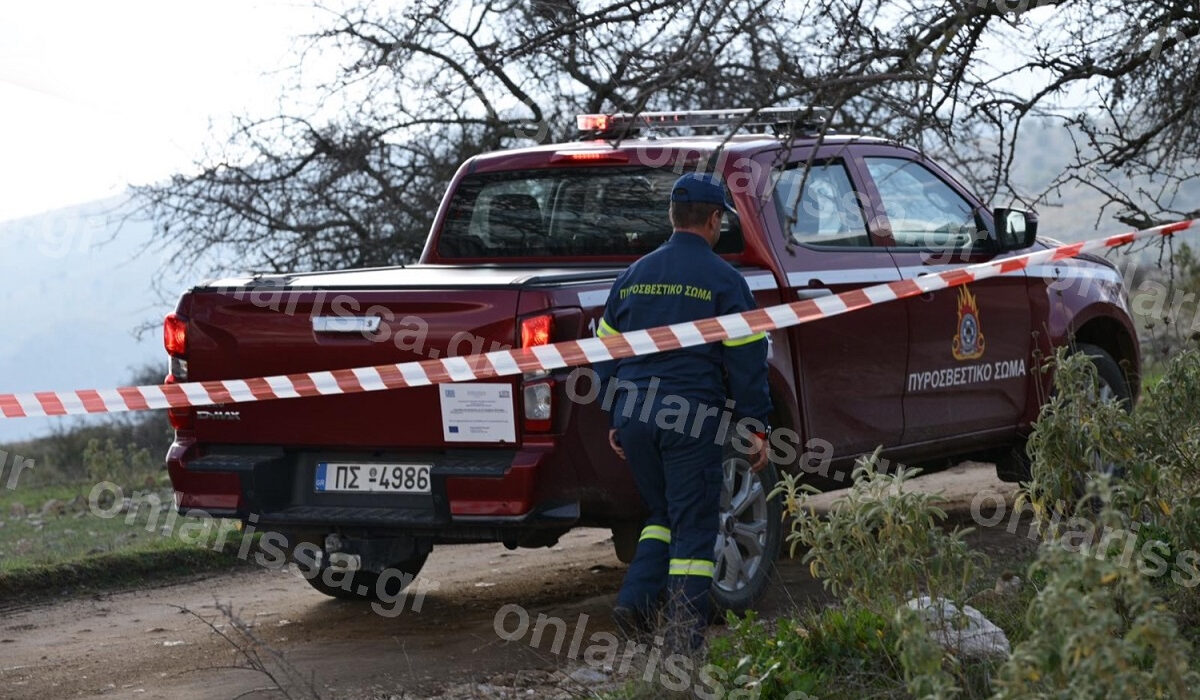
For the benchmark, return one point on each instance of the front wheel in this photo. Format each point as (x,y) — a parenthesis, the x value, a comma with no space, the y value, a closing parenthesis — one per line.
(1111,385)
(749,534)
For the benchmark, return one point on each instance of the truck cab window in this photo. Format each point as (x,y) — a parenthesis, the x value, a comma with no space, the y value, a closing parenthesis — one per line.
(822,207)
(924,212)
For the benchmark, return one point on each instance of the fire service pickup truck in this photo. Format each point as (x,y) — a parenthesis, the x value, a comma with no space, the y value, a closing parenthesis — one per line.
(523,251)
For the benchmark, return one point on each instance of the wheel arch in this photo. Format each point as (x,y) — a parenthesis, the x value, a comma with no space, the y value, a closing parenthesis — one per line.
(785,409)
(1112,336)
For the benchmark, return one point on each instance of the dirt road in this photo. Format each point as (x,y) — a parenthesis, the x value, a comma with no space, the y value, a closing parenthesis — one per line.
(141,645)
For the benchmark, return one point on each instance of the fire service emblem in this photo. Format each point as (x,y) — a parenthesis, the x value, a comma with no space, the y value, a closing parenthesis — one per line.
(968,341)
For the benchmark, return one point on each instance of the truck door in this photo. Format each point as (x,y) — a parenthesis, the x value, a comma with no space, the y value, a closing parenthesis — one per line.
(969,347)
(850,368)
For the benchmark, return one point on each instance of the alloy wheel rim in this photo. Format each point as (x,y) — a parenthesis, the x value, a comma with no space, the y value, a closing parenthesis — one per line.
(742,532)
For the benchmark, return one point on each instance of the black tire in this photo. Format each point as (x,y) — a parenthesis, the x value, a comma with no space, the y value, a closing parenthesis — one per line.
(1113,383)
(1112,386)
(1013,465)
(756,531)
(364,586)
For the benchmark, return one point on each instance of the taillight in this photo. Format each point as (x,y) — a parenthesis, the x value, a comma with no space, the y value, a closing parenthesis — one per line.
(538,392)
(539,406)
(537,331)
(175,334)
(175,341)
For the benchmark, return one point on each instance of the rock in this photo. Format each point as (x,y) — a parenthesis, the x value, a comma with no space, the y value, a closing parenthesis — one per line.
(585,675)
(105,500)
(1007,583)
(1,523)
(967,632)
(17,510)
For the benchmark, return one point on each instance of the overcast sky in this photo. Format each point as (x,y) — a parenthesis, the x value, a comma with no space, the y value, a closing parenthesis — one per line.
(97,95)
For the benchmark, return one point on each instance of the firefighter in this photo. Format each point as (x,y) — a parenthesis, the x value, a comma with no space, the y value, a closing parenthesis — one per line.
(670,414)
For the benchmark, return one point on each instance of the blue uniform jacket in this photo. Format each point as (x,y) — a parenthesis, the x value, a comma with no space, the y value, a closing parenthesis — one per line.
(684,280)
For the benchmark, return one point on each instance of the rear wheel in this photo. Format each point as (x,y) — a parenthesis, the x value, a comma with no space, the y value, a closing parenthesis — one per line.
(368,585)
(749,534)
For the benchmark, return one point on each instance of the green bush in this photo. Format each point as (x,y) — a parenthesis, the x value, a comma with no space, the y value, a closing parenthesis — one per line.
(1154,452)
(882,542)
(881,545)
(1097,629)
(127,467)
(830,653)
(1116,496)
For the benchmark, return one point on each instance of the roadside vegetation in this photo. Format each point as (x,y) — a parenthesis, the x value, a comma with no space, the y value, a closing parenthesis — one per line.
(1108,606)
(54,535)
(1164,300)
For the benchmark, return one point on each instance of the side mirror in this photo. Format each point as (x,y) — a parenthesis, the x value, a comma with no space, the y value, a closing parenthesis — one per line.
(1015,228)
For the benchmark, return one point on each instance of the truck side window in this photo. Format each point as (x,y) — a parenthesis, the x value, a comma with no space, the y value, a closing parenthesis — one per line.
(923,210)
(827,212)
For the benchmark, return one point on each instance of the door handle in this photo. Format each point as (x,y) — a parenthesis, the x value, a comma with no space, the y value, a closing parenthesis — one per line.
(813,293)
(927,296)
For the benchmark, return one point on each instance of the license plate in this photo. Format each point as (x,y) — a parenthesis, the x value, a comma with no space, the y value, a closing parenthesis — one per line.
(372,478)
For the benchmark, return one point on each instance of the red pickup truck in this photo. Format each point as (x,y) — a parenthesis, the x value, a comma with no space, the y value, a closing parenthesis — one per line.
(523,251)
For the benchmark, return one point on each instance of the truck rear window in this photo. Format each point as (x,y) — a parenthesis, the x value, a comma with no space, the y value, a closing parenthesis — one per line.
(576,212)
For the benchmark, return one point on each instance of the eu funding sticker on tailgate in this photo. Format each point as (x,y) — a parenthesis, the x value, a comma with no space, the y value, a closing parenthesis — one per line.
(474,412)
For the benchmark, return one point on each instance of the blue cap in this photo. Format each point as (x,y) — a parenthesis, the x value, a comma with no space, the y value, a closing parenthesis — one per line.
(696,187)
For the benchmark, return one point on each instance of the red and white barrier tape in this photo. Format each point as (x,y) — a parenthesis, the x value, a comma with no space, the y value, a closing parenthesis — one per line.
(567,353)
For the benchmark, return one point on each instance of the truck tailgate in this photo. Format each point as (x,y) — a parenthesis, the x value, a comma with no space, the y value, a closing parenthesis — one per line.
(235,334)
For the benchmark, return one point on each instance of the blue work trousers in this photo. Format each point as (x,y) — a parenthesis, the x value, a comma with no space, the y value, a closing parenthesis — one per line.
(678,473)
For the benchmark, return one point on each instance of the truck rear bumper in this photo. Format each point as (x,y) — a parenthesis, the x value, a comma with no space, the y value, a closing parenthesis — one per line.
(469,488)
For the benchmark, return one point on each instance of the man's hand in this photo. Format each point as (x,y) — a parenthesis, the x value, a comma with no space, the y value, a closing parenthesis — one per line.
(758,452)
(615,443)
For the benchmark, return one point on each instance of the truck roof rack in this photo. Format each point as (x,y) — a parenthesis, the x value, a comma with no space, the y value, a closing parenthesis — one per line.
(783,120)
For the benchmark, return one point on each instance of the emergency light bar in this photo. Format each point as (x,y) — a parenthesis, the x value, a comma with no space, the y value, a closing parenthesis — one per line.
(808,118)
